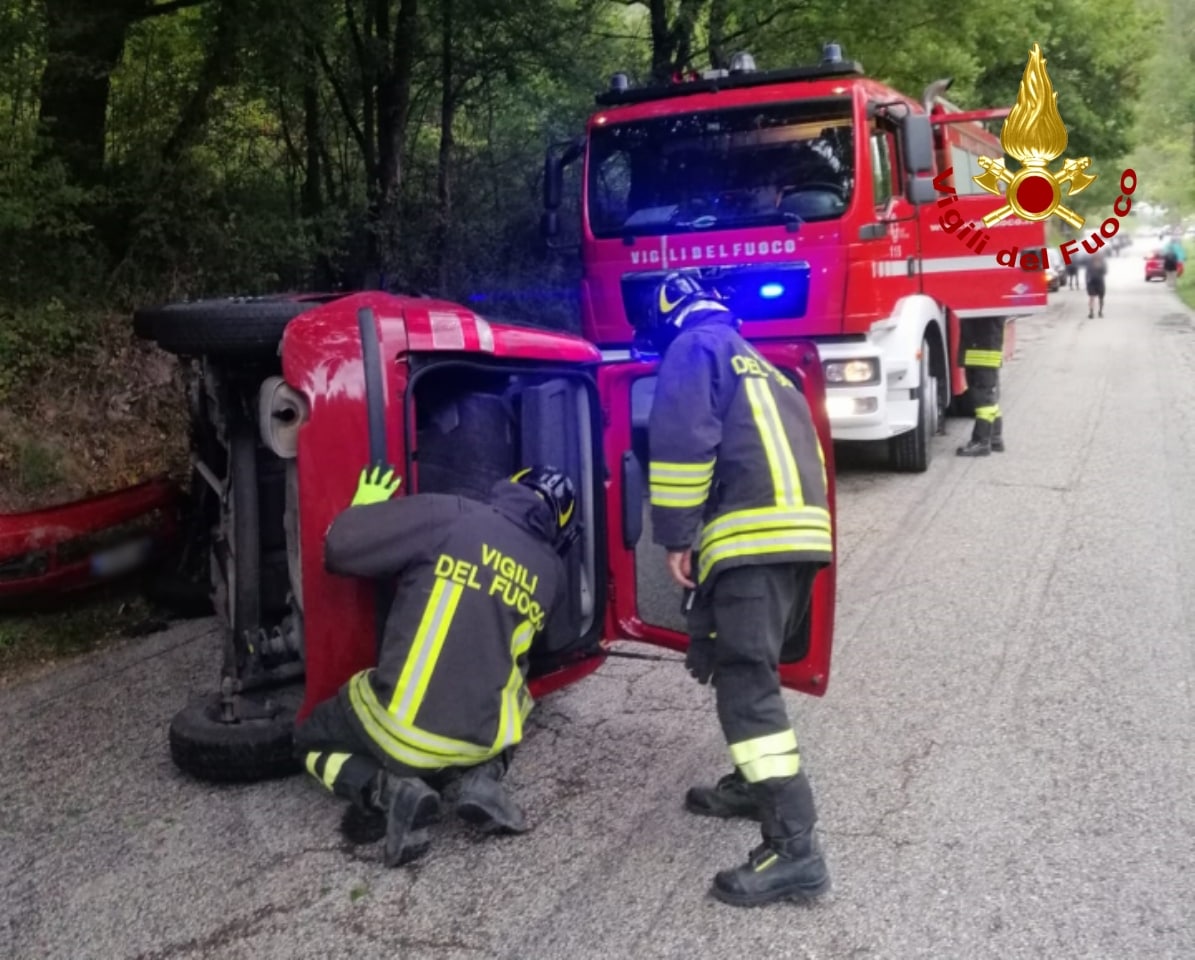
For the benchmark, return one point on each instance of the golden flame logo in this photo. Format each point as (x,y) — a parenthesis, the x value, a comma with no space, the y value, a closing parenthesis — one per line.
(1035,135)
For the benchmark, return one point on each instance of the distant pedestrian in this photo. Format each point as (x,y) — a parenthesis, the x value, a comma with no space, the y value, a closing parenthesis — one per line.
(1097,271)
(1173,254)
(1072,276)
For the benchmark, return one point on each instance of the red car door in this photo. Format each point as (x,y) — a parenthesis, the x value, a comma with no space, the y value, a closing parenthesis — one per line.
(643,604)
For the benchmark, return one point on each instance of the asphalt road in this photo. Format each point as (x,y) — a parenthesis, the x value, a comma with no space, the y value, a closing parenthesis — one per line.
(1003,763)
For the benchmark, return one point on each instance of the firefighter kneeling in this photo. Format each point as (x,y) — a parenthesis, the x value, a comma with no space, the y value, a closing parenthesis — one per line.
(735,458)
(476,584)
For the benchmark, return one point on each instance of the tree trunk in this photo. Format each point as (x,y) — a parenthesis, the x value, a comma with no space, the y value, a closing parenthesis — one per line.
(312,200)
(719,16)
(661,42)
(85,41)
(444,165)
(394,104)
(672,43)
(217,71)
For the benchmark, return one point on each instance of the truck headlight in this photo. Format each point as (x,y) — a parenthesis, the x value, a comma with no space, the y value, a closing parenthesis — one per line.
(853,372)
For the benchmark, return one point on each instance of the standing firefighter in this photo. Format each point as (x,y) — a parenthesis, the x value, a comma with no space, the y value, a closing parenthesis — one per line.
(735,461)
(476,583)
(983,355)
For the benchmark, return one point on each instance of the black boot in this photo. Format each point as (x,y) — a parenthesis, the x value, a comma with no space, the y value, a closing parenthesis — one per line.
(998,435)
(975,448)
(730,797)
(411,807)
(788,865)
(485,803)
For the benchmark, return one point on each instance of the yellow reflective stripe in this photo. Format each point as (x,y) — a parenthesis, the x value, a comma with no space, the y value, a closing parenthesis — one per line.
(771,768)
(987,413)
(765,518)
(679,499)
(767,862)
(662,471)
(783,465)
(747,750)
(406,742)
(516,701)
(312,760)
(983,358)
(766,757)
(747,547)
(821,455)
(332,768)
(510,718)
(522,637)
(425,650)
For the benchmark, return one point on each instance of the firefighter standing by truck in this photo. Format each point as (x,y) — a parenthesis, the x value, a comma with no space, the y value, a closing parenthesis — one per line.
(983,355)
(476,584)
(735,458)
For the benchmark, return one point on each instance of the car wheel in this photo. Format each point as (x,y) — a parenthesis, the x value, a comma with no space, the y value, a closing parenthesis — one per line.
(207,747)
(237,326)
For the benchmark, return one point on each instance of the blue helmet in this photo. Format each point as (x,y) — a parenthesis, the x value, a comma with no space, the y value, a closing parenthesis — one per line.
(679,298)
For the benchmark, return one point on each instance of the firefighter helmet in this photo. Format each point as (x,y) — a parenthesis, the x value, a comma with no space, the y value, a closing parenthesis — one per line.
(678,299)
(556,490)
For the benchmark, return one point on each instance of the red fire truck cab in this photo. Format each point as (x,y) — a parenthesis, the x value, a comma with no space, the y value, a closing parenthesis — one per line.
(807,196)
(293,396)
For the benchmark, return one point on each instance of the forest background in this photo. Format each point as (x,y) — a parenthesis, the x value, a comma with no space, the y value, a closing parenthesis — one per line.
(160,149)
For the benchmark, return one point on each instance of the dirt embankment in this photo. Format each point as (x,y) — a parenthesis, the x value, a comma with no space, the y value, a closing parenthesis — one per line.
(109,414)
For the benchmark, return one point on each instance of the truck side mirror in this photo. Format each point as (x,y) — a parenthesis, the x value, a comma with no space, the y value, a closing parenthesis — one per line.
(917,143)
(558,156)
(549,224)
(921,191)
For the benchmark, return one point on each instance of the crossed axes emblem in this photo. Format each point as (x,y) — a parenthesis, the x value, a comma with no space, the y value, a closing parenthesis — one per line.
(1072,173)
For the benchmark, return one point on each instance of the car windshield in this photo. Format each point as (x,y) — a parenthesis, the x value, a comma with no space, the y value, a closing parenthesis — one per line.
(765,164)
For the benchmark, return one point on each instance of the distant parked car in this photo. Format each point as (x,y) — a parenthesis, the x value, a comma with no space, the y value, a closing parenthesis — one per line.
(1055,279)
(1154,268)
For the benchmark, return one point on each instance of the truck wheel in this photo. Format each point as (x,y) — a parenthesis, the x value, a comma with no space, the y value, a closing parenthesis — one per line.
(911,452)
(207,748)
(237,326)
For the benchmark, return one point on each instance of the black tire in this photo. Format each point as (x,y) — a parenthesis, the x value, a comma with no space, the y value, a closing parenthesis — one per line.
(204,747)
(179,596)
(911,452)
(237,326)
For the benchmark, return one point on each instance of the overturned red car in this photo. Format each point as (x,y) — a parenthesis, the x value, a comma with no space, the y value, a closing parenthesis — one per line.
(292,396)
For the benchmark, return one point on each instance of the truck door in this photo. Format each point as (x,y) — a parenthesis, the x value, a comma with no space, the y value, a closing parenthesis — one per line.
(643,603)
(960,268)
(889,243)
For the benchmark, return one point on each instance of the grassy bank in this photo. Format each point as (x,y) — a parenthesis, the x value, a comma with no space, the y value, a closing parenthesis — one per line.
(30,642)
(1186,283)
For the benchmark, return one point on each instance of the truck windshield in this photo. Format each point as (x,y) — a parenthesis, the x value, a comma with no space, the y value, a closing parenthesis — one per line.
(764,164)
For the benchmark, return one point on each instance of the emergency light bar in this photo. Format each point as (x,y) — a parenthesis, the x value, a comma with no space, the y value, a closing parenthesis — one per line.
(742,73)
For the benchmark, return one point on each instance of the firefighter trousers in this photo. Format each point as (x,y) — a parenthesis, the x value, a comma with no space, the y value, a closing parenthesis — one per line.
(343,759)
(750,611)
(982,356)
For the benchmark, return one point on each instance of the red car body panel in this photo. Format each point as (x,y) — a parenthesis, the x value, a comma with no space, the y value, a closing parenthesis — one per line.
(55,549)
(322,359)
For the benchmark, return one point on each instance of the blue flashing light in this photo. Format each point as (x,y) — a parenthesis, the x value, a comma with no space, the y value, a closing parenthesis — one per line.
(770,291)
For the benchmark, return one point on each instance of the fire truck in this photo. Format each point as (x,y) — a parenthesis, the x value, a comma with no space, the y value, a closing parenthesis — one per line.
(812,198)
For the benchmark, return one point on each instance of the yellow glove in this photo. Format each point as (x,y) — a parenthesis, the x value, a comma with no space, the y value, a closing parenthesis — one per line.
(375,487)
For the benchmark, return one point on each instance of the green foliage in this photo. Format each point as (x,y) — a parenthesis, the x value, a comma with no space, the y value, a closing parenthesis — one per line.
(241,153)
(32,336)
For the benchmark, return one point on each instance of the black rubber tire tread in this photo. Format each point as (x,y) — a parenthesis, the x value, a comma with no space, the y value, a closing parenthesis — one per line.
(911,452)
(205,748)
(249,326)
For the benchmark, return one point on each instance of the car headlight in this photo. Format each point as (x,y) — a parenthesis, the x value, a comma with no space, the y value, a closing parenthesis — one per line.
(854,372)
